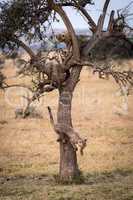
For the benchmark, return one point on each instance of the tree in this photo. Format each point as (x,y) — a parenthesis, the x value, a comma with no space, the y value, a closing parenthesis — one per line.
(25,20)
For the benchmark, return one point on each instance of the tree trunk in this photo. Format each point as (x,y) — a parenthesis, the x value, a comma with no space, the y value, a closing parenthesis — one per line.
(68,158)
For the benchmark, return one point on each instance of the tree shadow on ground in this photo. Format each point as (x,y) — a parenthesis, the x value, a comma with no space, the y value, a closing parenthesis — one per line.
(116,185)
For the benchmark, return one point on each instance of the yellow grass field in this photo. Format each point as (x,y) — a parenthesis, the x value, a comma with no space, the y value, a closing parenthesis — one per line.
(29,154)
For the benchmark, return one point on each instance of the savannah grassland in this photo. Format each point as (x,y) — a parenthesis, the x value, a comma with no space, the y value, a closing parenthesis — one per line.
(29,153)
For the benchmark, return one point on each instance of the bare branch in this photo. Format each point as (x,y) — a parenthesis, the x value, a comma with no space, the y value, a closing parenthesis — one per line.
(122,78)
(36,96)
(111,21)
(6,86)
(83,11)
(89,18)
(102,17)
(25,47)
(51,117)
(99,32)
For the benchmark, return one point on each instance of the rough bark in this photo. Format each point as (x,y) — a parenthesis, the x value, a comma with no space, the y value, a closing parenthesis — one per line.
(102,17)
(111,21)
(68,158)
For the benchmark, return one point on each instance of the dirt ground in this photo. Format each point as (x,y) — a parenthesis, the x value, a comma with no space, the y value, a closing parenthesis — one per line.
(29,154)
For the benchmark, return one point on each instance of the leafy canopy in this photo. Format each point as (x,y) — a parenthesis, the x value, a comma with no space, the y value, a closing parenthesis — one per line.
(26,18)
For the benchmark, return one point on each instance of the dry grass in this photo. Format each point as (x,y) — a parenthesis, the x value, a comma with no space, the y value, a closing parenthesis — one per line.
(29,154)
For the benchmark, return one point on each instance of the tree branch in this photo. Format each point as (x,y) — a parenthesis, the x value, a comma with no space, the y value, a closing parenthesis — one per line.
(75,46)
(25,47)
(102,17)
(99,33)
(111,21)
(17,85)
(90,20)
(83,11)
